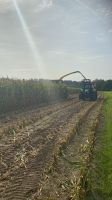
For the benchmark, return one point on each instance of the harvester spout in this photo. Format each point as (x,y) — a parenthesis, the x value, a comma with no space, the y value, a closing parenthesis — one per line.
(71,74)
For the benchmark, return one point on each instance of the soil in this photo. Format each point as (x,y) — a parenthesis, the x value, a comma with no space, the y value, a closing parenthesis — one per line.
(41,150)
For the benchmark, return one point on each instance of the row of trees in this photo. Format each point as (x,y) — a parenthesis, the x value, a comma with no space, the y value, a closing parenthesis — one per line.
(101,85)
(16,94)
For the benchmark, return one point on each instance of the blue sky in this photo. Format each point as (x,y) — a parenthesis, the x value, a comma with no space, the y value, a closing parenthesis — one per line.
(65,35)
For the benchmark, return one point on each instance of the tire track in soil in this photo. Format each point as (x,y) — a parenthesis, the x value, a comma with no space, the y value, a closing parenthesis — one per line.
(8,141)
(35,133)
(19,121)
(61,182)
(19,179)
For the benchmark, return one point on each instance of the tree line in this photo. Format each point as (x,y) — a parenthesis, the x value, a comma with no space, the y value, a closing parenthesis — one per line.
(101,85)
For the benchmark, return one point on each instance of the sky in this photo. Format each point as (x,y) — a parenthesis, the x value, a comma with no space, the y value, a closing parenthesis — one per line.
(49,38)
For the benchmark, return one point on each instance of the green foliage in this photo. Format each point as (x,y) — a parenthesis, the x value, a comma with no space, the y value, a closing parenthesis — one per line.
(72,90)
(72,84)
(105,155)
(16,94)
(102,85)
(101,174)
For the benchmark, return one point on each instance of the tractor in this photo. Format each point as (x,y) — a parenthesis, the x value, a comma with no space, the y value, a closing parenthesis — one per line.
(87,90)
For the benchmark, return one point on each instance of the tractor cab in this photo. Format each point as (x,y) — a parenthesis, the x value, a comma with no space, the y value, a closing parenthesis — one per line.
(87,91)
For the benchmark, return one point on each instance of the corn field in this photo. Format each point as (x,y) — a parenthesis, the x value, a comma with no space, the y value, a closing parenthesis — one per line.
(16,94)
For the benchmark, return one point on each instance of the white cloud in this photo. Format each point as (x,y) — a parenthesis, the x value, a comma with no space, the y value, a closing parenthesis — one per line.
(7,4)
(43,4)
(38,5)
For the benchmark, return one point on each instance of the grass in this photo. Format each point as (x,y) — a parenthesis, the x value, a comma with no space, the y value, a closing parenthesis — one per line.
(106,156)
(100,176)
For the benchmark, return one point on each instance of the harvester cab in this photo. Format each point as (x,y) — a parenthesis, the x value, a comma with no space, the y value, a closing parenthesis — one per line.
(88,91)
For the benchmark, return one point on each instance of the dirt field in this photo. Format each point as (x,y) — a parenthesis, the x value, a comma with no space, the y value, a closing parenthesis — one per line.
(42,150)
